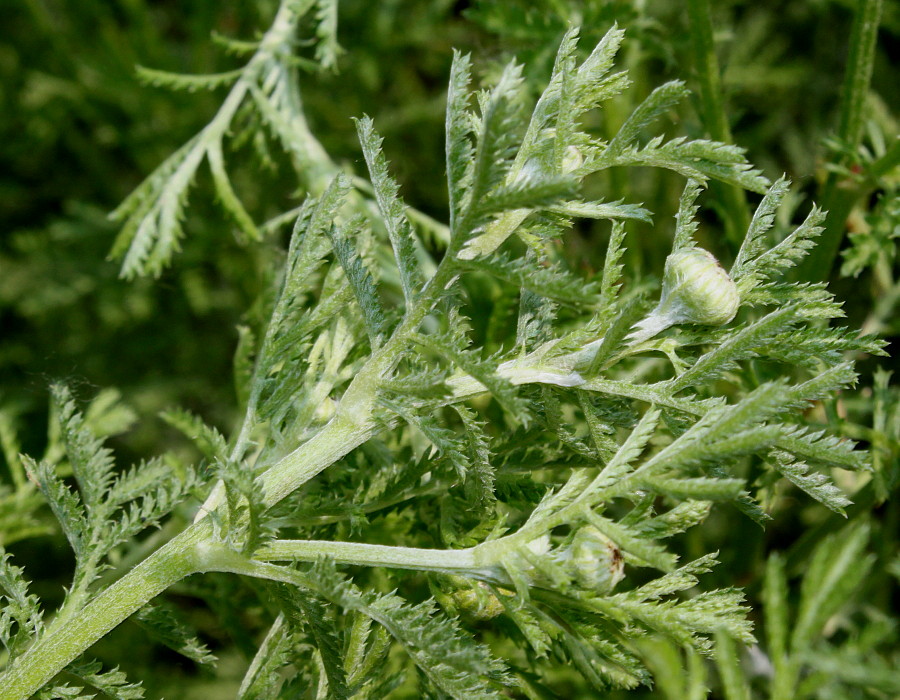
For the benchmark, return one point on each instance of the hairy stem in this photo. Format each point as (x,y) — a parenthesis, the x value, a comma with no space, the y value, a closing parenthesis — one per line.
(60,646)
(359,554)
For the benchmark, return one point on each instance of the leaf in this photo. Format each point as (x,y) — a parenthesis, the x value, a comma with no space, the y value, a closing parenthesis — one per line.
(603,210)
(445,441)
(698,160)
(836,568)
(451,659)
(698,488)
(547,280)
(814,484)
(151,215)
(689,621)
(485,371)
(21,607)
(642,551)
(615,335)
(226,194)
(62,692)
(480,475)
(536,628)
(530,193)
(631,449)
(308,613)
(206,438)
(392,208)
(458,128)
(679,519)
(740,345)
(660,101)
(160,621)
(612,268)
(763,219)
(783,256)
(113,684)
(495,143)
(263,679)
(591,83)
(603,663)
(92,463)
(138,481)
(775,607)
(327,47)
(247,527)
(11,448)
(360,279)
(187,81)
(533,325)
(65,505)
(685,224)
(734,682)
(244,364)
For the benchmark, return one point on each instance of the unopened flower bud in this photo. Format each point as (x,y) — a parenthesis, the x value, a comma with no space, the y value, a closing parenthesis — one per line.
(594,560)
(473,600)
(477,602)
(696,289)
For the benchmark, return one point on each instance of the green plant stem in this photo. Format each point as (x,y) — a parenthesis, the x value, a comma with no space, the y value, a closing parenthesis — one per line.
(62,644)
(712,110)
(359,554)
(353,423)
(839,195)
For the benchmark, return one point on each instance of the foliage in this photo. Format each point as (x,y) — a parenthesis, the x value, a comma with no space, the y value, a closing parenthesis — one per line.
(463,464)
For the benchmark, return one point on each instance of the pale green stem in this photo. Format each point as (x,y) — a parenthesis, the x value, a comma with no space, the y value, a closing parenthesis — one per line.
(193,552)
(180,557)
(359,554)
(335,440)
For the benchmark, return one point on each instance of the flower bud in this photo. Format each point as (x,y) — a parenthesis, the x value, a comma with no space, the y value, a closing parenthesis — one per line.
(594,560)
(696,289)
(477,602)
(473,600)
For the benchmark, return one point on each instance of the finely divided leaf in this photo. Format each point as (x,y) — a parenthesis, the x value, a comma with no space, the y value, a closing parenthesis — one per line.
(392,208)
(162,623)
(360,279)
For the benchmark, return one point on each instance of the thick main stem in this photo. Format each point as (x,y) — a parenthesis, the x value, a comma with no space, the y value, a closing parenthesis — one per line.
(171,563)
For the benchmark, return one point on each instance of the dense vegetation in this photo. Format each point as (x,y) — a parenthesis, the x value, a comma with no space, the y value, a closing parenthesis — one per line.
(566,372)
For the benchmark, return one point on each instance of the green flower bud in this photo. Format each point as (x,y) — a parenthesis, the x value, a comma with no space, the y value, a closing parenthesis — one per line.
(594,560)
(477,602)
(473,600)
(696,289)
